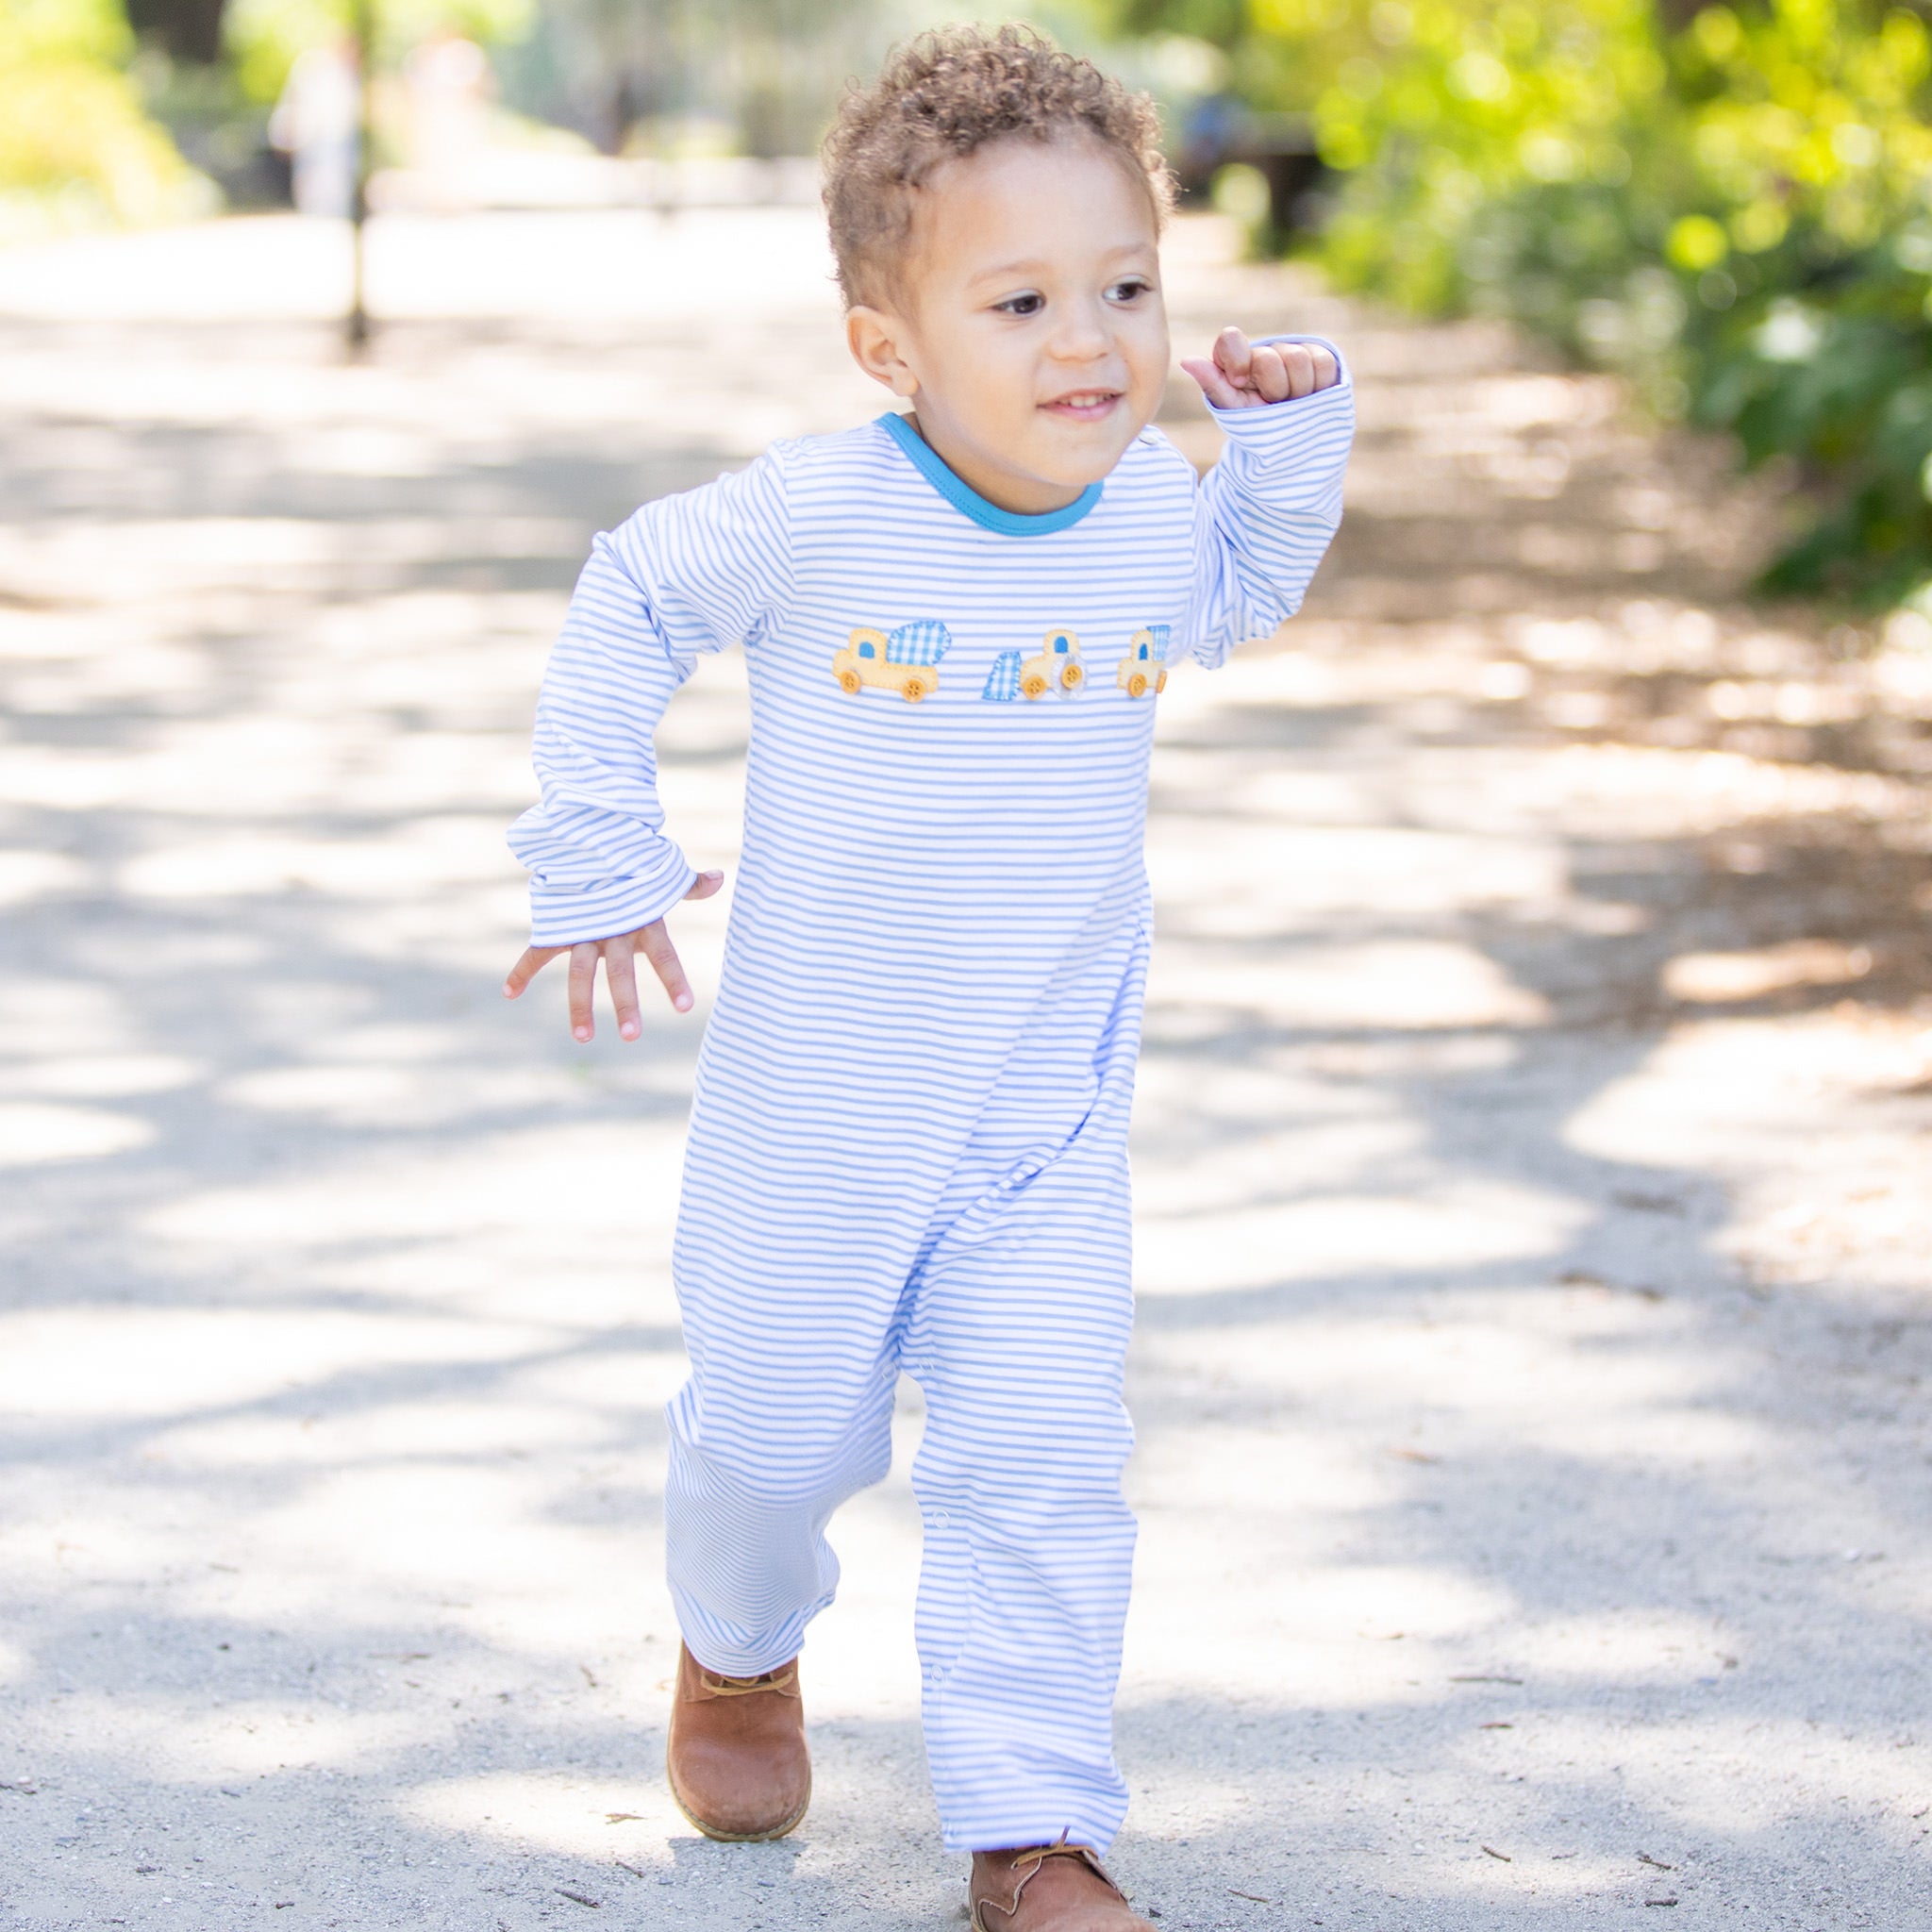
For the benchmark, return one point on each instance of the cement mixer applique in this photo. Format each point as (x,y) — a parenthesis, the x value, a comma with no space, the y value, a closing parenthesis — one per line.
(905,660)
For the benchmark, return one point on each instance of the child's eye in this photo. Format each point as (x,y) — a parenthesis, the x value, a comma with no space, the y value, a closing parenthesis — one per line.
(1021,305)
(1131,290)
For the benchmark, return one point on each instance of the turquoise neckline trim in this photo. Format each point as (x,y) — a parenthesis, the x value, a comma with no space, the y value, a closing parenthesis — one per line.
(968,501)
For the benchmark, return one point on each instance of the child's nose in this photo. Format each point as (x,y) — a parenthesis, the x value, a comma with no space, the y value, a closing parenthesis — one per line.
(1083,333)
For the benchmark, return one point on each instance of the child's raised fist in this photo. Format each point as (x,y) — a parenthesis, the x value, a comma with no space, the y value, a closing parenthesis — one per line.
(1244,376)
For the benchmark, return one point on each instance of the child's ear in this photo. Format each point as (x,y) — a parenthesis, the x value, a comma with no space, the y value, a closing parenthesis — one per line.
(874,336)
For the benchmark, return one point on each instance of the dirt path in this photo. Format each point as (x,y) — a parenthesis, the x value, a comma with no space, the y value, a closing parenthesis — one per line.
(1532,1155)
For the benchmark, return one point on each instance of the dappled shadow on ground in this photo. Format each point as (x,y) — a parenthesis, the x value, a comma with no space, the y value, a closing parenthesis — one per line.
(1530,1160)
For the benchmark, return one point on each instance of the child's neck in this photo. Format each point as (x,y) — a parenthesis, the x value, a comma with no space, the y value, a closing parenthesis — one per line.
(1027,496)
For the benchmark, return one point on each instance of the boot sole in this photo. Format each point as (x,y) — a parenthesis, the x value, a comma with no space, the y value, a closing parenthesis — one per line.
(735,1838)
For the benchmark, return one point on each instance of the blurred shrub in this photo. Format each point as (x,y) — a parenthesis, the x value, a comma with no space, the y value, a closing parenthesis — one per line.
(1737,213)
(266,38)
(1806,263)
(75,146)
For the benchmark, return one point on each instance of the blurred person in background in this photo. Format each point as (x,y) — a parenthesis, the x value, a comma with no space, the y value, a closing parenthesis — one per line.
(316,124)
(447,87)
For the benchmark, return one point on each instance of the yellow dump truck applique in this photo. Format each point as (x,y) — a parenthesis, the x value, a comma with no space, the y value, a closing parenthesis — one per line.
(1145,667)
(905,660)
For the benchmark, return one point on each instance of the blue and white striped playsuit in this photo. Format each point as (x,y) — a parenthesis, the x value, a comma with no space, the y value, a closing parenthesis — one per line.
(909,1144)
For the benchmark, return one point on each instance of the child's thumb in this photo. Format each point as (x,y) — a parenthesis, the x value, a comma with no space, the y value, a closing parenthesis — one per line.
(1212,379)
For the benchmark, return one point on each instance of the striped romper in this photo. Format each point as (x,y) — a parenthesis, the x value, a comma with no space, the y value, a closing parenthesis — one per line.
(907,1149)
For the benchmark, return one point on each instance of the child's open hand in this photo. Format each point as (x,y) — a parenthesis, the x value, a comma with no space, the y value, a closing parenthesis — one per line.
(1243,376)
(619,954)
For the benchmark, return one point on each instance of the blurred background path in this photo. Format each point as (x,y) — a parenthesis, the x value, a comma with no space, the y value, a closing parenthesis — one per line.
(1531,1150)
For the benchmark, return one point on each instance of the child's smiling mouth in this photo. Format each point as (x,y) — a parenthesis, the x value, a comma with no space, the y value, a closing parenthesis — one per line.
(1083,405)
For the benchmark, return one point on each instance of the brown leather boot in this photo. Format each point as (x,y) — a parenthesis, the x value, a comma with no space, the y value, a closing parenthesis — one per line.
(737,1757)
(1057,1888)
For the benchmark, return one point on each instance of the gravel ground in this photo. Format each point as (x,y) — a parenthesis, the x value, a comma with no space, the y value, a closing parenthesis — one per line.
(1531,1148)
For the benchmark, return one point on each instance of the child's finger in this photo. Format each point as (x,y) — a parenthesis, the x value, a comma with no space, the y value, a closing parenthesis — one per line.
(534,960)
(1300,360)
(1327,370)
(620,972)
(655,942)
(1214,385)
(583,983)
(1274,373)
(707,883)
(1231,351)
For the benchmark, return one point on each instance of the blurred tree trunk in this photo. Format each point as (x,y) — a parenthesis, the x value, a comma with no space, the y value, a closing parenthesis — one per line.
(186,29)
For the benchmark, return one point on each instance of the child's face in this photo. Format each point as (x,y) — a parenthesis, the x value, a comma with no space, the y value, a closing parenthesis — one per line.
(1028,331)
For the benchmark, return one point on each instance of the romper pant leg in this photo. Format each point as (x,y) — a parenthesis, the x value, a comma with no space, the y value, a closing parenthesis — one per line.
(1017,1332)
(788,1413)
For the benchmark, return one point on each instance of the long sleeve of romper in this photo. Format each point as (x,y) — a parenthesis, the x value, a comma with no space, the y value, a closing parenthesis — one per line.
(687,573)
(1266,512)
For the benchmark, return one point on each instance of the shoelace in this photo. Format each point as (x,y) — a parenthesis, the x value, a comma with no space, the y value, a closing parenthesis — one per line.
(1027,1867)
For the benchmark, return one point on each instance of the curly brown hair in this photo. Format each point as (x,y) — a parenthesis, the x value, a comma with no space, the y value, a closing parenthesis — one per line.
(946,94)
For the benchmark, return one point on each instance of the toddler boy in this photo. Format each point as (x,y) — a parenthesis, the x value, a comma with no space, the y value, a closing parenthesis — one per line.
(909,1145)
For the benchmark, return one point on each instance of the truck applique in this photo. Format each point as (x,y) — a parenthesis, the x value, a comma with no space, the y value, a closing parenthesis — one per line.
(1055,666)
(1056,662)
(1145,664)
(904,660)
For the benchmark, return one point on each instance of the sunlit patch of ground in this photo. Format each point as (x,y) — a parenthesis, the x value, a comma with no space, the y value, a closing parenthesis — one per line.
(1531,1149)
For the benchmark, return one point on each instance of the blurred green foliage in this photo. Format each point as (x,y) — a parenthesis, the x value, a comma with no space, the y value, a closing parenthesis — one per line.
(1733,205)
(75,144)
(264,37)
(85,115)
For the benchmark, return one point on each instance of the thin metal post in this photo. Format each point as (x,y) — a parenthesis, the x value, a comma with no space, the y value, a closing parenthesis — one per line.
(362,25)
